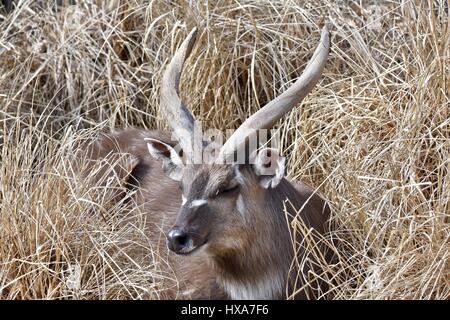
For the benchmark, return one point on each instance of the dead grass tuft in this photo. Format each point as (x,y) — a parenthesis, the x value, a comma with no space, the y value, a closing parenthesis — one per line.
(373,137)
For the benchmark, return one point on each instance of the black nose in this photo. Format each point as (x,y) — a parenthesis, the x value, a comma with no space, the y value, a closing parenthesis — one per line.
(178,240)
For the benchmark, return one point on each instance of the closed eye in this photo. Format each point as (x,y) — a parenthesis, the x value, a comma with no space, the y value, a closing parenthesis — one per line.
(227,190)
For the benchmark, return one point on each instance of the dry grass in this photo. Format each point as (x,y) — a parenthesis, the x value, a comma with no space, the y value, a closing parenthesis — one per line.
(373,137)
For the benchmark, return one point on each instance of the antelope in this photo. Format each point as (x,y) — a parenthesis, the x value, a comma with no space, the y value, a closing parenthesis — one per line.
(227,224)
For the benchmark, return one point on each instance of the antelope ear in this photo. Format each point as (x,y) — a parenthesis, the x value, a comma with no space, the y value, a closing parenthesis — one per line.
(172,163)
(269,167)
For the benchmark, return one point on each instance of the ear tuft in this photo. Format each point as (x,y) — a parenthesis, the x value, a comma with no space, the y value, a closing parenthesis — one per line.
(270,167)
(172,163)
(161,149)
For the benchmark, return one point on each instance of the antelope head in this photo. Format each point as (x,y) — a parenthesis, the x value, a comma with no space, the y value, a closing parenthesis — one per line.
(219,198)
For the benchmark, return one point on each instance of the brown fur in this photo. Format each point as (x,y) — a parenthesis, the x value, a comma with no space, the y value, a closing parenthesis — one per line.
(241,249)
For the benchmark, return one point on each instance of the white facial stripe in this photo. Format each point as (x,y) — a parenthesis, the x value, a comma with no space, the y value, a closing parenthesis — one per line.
(240,205)
(183,200)
(202,251)
(198,203)
(238,175)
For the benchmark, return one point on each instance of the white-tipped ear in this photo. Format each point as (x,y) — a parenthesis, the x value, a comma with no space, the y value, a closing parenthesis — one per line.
(172,163)
(269,166)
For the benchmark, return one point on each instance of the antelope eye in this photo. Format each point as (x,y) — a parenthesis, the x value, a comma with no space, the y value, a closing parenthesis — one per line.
(227,189)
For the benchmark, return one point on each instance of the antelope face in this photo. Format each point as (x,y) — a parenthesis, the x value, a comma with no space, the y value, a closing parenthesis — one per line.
(214,211)
(210,194)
